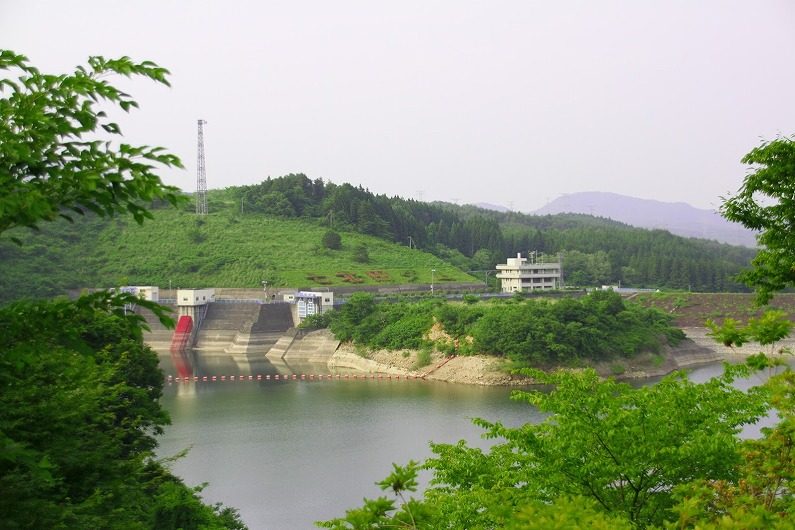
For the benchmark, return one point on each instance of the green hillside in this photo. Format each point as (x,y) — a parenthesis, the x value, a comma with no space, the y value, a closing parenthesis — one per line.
(225,249)
(594,251)
(273,232)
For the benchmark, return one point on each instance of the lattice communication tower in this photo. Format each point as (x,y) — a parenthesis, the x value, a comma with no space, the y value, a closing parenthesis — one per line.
(201,175)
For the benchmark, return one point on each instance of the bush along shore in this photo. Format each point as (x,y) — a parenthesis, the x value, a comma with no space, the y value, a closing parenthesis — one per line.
(486,342)
(696,349)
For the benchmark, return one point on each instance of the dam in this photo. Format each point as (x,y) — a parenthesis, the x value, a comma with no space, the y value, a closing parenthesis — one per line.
(243,330)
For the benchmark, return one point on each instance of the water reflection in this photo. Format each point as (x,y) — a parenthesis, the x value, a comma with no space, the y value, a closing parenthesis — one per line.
(181,363)
(193,364)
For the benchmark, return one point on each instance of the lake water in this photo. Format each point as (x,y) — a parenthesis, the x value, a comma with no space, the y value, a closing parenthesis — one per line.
(287,454)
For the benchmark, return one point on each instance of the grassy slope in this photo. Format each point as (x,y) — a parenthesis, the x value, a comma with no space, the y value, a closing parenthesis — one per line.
(226,250)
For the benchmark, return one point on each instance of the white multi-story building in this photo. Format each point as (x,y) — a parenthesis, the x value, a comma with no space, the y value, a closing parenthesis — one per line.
(536,273)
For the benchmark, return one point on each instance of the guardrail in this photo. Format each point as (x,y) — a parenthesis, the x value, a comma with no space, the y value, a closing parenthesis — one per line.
(248,301)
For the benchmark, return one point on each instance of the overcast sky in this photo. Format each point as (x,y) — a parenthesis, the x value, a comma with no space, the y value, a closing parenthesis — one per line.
(511,103)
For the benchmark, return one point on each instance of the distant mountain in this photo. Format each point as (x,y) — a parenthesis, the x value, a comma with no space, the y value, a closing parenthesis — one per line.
(677,217)
(493,207)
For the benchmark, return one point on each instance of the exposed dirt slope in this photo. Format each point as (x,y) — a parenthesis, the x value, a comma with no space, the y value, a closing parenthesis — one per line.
(696,350)
(691,310)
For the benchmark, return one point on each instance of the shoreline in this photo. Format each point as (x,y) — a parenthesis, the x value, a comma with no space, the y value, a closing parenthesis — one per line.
(697,349)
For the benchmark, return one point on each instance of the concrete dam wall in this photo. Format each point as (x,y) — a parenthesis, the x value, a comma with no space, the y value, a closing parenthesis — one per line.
(252,330)
(158,337)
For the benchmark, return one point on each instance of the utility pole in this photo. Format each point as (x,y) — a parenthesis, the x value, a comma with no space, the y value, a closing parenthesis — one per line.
(201,174)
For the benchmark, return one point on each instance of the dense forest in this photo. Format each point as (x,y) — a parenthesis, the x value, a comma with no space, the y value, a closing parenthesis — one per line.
(595,251)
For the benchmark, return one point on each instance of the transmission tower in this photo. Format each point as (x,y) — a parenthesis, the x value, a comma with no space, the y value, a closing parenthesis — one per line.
(201,175)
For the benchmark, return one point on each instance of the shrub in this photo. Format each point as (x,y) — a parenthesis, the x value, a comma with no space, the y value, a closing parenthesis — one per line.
(360,254)
(332,240)
(316,321)
(353,320)
(196,235)
(446,346)
(471,299)
(410,275)
(406,332)
(423,357)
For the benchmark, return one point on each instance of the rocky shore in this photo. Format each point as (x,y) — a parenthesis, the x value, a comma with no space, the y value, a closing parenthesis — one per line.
(697,349)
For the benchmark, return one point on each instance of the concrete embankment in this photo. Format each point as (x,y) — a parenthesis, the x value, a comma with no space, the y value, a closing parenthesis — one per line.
(310,347)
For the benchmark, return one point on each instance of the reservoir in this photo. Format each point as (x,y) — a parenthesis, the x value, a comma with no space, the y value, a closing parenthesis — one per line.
(289,453)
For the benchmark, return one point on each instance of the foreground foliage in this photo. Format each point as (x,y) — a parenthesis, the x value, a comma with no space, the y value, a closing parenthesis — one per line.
(79,413)
(763,494)
(610,456)
(79,390)
(598,326)
(52,162)
(765,203)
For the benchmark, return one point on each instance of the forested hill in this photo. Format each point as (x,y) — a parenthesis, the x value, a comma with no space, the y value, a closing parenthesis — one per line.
(596,250)
(273,232)
(222,249)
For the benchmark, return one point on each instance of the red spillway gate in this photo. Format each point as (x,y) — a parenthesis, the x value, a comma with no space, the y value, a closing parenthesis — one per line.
(181,334)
